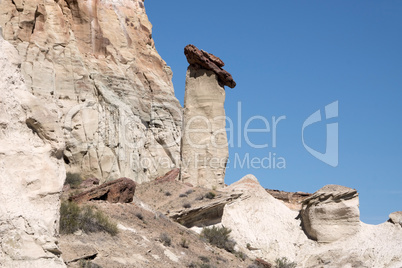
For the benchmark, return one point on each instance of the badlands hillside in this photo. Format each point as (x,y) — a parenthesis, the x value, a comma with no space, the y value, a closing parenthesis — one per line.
(86,95)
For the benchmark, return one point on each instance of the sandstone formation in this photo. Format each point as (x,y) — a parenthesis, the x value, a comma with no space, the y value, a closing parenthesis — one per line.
(204,60)
(265,228)
(31,171)
(263,222)
(118,191)
(90,182)
(208,213)
(290,199)
(396,217)
(331,213)
(94,63)
(204,148)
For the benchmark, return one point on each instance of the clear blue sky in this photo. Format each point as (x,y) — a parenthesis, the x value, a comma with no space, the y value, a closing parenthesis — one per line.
(291,58)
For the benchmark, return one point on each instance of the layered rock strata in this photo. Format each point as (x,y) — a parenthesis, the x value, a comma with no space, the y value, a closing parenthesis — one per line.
(31,171)
(95,64)
(204,150)
(331,213)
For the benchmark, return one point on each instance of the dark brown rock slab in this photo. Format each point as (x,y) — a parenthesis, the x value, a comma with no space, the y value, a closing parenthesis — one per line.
(117,191)
(169,176)
(202,59)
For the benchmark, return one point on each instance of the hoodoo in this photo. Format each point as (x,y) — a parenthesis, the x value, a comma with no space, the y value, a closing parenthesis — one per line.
(204,150)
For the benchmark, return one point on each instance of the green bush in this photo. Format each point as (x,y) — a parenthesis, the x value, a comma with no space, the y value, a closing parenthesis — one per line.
(86,218)
(184,243)
(241,255)
(219,236)
(88,264)
(210,195)
(284,263)
(74,179)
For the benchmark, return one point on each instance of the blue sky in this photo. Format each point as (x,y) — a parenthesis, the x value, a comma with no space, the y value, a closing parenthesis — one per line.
(292,58)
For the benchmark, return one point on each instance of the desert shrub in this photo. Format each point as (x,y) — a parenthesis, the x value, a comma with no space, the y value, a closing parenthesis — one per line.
(139,215)
(204,258)
(184,243)
(241,255)
(284,263)
(86,218)
(88,264)
(74,179)
(168,194)
(182,195)
(210,195)
(192,265)
(219,236)
(69,217)
(187,205)
(165,239)
(189,191)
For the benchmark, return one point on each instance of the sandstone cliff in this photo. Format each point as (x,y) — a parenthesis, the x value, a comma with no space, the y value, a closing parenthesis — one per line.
(94,63)
(31,171)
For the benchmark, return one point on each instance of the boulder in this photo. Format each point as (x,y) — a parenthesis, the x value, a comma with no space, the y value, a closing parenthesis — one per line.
(331,213)
(204,60)
(396,217)
(117,191)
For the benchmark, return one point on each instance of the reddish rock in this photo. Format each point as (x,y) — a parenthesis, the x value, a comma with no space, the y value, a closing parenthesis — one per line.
(292,200)
(117,191)
(200,58)
(170,176)
(261,263)
(89,183)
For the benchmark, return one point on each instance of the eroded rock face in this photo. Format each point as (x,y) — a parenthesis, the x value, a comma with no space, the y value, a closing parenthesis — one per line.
(331,213)
(265,223)
(204,150)
(31,171)
(95,64)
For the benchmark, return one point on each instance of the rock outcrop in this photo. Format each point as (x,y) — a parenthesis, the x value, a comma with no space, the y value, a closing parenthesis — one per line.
(118,191)
(396,217)
(31,171)
(263,222)
(94,63)
(292,200)
(331,213)
(204,148)
(208,213)
(204,60)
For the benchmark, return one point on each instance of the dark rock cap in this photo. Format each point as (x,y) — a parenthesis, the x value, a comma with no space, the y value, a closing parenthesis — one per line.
(209,61)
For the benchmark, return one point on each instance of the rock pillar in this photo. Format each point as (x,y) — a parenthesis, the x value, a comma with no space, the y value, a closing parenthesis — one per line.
(204,149)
